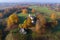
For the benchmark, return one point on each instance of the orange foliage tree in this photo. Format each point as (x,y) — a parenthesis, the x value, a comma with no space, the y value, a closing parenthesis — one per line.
(53,16)
(41,18)
(24,11)
(40,25)
(1,15)
(37,26)
(33,10)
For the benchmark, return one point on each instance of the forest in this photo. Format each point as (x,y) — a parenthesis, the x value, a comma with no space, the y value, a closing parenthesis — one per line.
(29,23)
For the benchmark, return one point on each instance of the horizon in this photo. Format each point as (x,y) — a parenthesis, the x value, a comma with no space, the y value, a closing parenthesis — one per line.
(30,1)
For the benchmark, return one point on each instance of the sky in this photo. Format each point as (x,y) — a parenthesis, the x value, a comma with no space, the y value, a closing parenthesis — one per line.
(41,1)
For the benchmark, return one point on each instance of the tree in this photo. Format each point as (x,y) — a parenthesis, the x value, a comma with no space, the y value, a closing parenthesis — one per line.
(41,18)
(1,15)
(33,10)
(40,24)
(37,26)
(12,19)
(24,11)
(53,16)
(27,23)
(54,19)
(40,28)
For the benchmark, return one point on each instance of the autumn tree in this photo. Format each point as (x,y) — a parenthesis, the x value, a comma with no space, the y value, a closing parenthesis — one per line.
(53,16)
(24,11)
(41,22)
(37,28)
(27,23)
(12,19)
(41,18)
(33,10)
(1,15)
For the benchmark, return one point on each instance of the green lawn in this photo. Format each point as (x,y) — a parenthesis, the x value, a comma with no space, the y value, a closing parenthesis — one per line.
(22,17)
(25,15)
(42,9)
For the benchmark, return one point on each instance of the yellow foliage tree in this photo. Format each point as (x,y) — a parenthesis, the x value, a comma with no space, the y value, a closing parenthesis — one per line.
(12,19)
(27,23)
(53,16)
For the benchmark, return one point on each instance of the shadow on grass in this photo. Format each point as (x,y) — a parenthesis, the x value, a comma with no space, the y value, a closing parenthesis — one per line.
(21,19)
(57,28)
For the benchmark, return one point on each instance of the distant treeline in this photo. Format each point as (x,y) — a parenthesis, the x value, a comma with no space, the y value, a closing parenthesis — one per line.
(8,11)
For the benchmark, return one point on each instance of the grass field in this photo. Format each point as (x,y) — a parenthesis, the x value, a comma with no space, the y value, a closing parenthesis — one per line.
(22,16)
(44,10)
